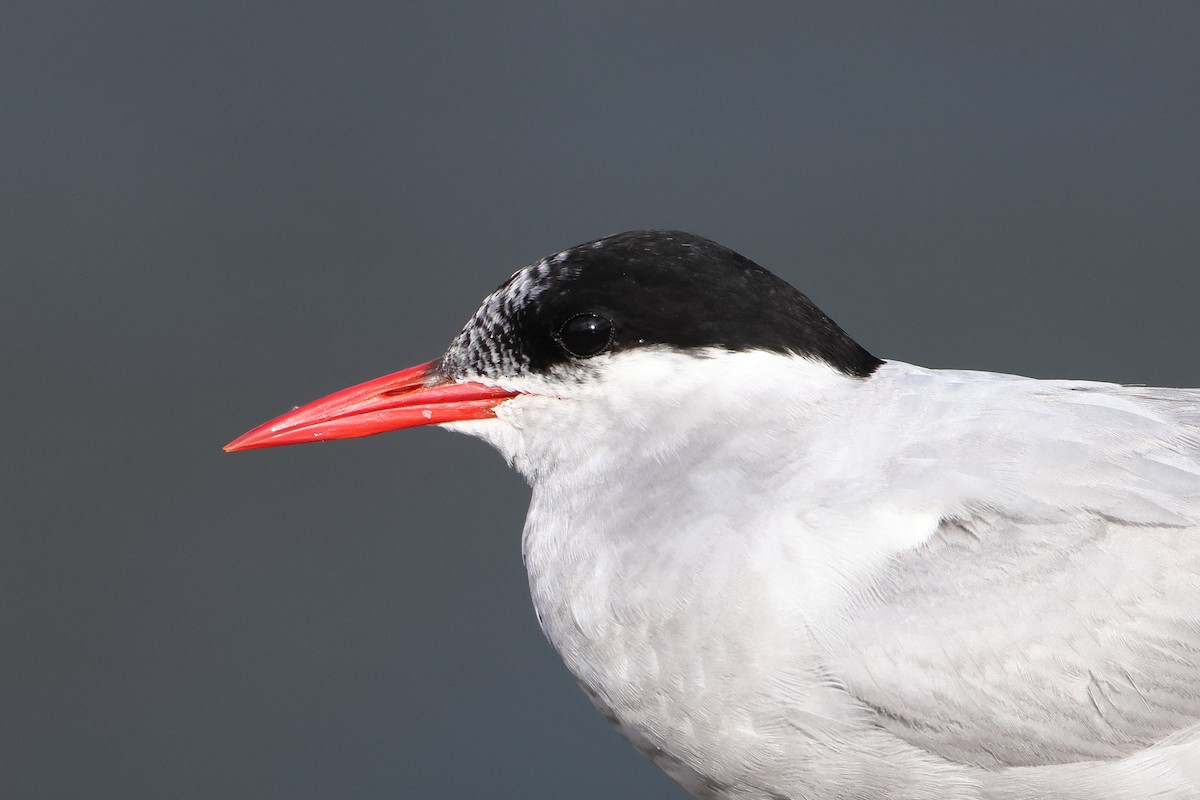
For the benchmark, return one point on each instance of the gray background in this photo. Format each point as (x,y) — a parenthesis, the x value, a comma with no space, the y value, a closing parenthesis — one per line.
(211,212)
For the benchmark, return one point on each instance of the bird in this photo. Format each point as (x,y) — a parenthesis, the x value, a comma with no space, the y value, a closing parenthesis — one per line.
(786,569)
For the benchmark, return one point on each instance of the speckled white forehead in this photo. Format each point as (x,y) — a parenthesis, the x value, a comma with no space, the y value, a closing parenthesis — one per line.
(486,345)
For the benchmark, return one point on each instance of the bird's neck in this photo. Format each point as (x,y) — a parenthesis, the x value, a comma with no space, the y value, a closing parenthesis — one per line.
(654,486)
(714,415)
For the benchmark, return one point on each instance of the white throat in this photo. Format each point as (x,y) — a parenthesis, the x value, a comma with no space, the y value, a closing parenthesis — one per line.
(659,408)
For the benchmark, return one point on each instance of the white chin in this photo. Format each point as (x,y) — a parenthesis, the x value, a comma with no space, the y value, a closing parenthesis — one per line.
(472,427)
(503,437)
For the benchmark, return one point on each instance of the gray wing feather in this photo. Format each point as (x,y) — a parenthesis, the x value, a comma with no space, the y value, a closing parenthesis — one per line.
(1055,615)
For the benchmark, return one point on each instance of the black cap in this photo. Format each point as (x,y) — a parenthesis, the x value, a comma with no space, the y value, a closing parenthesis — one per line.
(644,289)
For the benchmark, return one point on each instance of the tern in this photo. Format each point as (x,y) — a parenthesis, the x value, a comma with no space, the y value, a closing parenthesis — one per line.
(786,569)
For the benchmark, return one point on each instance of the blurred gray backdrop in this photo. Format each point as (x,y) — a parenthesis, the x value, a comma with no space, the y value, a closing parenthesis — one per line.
(212,212)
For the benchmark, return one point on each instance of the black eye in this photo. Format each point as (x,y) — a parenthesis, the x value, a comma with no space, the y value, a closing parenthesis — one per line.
(586,335)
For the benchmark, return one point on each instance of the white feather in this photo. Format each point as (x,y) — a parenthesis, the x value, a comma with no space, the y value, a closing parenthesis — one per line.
(781,582)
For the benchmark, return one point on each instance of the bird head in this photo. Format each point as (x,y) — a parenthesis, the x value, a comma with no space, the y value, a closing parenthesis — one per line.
(629,332)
